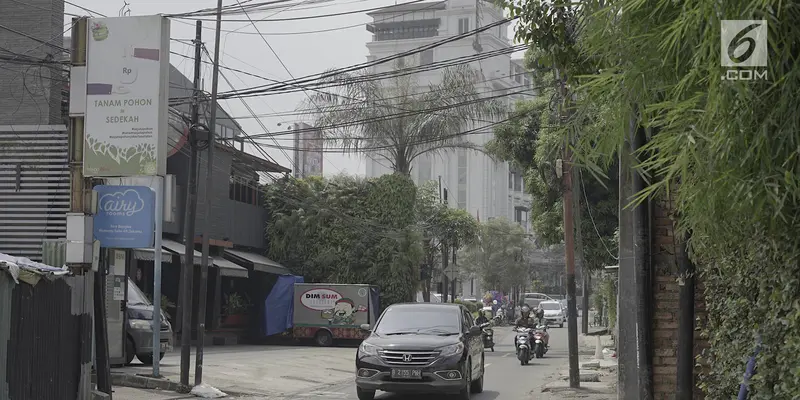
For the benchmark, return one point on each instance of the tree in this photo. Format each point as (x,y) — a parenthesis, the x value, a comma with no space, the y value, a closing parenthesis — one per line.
(347,230)
(723,151)
(497,255)
(397,121)
(440,225)
(532,141)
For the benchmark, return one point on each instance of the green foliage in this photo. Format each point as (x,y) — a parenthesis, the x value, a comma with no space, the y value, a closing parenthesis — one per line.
(348,230)
(731,145)
(533,142)
(235,304)
(395,121)
(498,254)
(440,225)
(471,305)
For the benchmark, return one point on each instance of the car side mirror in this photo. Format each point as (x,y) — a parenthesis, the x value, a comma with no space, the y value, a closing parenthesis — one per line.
(475,330)
(366,327)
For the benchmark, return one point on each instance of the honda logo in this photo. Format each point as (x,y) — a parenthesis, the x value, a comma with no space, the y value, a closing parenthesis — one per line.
(406,357)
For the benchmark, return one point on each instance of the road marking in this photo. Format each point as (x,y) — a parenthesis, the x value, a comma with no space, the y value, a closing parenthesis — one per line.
(506,355)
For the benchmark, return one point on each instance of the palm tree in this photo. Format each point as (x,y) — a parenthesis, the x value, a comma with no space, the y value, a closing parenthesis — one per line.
(399,120)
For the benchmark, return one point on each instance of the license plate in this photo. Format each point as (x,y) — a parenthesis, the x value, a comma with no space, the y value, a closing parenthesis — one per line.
(406,374)
(164,347)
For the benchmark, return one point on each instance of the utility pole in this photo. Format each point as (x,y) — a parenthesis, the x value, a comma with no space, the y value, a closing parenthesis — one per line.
(445,253)
(453,286)
(187,274)
(577,187)
(569,240)
(80,203)
(201,314)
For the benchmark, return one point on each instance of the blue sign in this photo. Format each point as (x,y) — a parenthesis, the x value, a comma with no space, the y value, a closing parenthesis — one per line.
(125,216)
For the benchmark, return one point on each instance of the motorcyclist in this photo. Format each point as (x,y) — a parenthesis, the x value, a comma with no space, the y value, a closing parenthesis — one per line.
(525,320)
(481,318)
(539,315)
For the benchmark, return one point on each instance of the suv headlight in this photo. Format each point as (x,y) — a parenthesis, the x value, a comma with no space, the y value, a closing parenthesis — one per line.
(453,349)
(368,349)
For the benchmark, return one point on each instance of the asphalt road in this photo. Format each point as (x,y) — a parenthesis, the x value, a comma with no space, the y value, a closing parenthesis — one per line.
(505,378)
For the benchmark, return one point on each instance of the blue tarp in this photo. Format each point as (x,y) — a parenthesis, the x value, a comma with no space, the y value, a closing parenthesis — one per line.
(279,305)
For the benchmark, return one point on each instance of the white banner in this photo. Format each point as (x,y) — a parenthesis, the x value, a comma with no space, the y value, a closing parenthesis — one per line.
(127,96)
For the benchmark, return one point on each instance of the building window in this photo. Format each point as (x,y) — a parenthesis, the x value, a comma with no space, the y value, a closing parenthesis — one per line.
(426,57)
(517,182)
(462,198)
(462,168)
(407,32)
(424,166)
(463,25)
(518,215)
(462,179)
(511,180)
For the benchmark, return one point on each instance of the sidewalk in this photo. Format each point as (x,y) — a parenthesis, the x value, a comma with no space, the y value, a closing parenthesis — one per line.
(270,371)
(127,393)
(598,377)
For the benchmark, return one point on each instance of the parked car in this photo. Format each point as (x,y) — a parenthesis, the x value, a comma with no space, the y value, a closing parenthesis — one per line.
(553,313)
(139,337)
(421,348)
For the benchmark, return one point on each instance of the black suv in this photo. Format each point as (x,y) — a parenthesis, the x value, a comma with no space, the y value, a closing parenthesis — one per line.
(421,348)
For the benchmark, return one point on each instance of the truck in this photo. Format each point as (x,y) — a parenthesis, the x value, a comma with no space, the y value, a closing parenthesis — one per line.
(326,312)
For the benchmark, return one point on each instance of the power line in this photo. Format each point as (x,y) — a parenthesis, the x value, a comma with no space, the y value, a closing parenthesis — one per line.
(187,15)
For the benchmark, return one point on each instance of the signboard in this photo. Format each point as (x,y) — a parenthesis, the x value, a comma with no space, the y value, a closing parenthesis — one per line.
(309,150)
(125,217)
(320,299)
(127,85)
(325,305)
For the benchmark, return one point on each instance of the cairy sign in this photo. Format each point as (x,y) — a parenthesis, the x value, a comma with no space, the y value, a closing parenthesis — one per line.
(125,216)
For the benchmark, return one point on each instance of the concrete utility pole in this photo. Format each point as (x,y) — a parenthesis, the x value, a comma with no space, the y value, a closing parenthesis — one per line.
(80,206)
(201,314)
(187,273)
(569,241)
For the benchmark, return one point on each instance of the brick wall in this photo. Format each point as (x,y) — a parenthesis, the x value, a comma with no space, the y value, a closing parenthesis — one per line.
(666,307)
(30,94)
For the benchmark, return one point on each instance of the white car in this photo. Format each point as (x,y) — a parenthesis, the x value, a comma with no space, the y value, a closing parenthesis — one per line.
(553,313)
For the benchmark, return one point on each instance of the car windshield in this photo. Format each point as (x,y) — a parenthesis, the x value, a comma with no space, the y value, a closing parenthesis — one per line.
(550,306)
(422,320)
(135,295)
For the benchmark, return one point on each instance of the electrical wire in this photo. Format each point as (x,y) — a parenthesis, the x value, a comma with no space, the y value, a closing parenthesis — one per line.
(362,11)
(324,80)
(392,17)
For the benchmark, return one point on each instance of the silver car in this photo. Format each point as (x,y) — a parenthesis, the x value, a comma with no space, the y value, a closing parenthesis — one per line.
(139,340)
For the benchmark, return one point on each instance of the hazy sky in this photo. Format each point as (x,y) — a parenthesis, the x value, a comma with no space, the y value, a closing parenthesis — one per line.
(302,53)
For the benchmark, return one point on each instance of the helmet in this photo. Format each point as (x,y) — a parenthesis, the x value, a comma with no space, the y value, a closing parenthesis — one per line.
(525,310)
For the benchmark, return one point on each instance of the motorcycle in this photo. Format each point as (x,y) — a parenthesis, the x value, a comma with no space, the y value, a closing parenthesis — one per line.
(540,341)
(522,342)
(488,336)
(499,318)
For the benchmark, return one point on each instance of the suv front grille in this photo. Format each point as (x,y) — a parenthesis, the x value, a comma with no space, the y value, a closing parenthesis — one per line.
(408,358)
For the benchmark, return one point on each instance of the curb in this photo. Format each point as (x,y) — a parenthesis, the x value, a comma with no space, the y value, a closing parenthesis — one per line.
(145,382)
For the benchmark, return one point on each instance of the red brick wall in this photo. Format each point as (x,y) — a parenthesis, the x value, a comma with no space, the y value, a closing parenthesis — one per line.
(666,309)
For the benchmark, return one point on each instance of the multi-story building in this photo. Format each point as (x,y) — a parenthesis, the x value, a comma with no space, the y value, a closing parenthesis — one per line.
(475,181)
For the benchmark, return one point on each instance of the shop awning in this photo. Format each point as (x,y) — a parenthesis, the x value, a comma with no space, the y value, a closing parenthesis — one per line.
(260,263)
(149,255)
(179,249)
(227,268)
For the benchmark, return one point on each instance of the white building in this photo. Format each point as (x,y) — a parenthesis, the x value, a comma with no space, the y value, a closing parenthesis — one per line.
(476,183)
